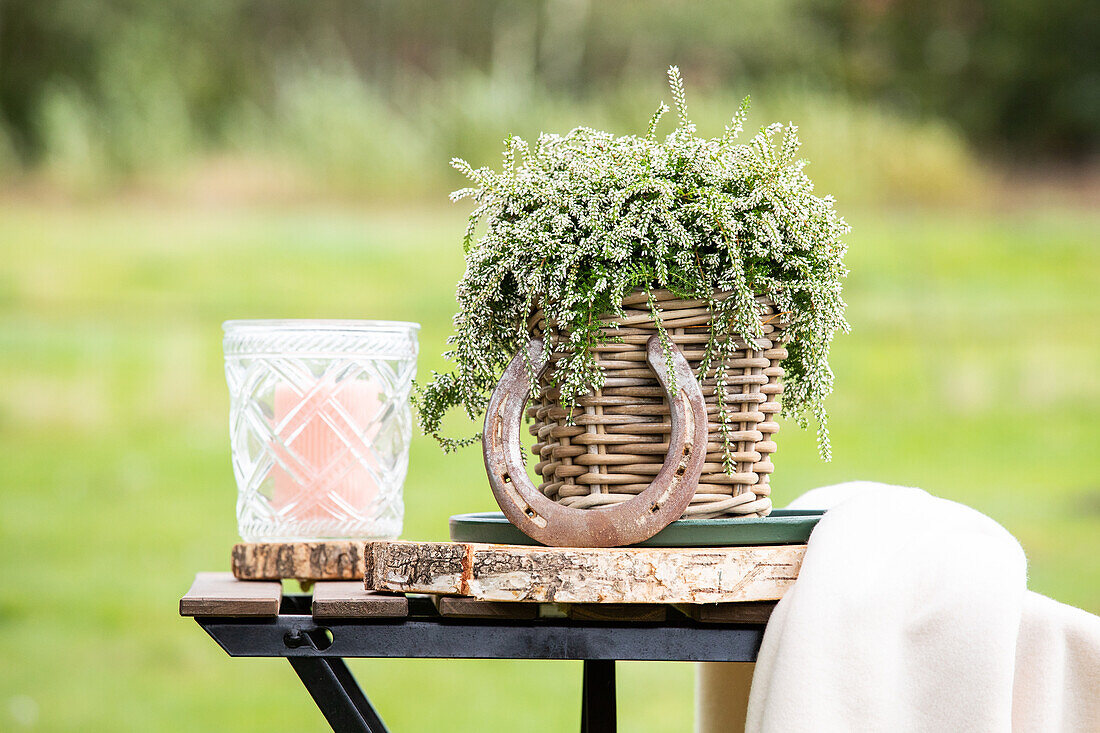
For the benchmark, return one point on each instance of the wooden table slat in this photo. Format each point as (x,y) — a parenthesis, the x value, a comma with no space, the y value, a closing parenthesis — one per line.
(220,594)
(460,607)
(750,612)
(618,612)
(348,599)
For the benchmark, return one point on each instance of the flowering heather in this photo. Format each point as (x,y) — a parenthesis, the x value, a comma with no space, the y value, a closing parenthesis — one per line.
(576,221)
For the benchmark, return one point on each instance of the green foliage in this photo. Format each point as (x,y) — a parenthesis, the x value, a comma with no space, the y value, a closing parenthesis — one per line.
(580,220)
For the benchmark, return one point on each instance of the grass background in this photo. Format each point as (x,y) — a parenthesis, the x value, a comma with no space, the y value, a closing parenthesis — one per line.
(973,370)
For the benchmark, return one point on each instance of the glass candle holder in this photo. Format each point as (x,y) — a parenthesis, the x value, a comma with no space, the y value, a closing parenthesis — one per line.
(320,425)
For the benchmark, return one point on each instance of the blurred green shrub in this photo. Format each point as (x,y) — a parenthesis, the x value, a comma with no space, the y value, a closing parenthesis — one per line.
(342,134)
(378,96)
(338,130)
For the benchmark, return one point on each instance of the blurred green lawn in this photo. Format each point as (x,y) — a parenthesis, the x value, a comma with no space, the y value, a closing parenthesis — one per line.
(973,370)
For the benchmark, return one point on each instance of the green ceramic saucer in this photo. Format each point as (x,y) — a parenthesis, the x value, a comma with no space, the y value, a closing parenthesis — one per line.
(781,527)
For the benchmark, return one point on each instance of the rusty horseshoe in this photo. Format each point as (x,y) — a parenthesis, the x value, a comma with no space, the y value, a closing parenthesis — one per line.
(627,523)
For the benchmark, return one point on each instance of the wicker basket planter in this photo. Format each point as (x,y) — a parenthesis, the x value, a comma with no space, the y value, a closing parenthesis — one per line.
(620,434)
(573,222)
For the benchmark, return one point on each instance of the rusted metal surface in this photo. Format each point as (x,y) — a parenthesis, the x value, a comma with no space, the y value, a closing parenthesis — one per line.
(634,520)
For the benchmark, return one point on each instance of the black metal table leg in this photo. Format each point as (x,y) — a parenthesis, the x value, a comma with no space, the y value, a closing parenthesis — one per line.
(598,696)
(337,694)
(317,649)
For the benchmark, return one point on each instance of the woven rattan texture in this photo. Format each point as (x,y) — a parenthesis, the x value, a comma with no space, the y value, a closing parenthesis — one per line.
(620,433)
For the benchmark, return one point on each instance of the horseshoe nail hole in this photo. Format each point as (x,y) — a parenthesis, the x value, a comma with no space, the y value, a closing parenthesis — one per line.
(680,469)
(506,479)
(529,512)
(655,508)
(687,450)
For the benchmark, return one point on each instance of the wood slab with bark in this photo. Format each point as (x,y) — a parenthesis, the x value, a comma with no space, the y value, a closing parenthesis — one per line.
(583,575)
(331,560)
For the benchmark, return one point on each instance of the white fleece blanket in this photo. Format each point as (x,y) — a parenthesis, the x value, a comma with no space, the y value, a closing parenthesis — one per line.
(911,613)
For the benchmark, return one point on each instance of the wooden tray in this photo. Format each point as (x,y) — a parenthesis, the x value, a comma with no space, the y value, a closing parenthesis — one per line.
(781,527)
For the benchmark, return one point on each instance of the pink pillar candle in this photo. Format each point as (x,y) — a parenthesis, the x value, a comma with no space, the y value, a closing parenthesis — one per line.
(323,460)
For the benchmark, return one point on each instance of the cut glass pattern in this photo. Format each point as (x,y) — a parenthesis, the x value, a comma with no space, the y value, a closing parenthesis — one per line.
(320,425)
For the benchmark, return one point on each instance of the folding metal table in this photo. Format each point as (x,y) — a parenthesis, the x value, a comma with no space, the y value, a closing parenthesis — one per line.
(261,622)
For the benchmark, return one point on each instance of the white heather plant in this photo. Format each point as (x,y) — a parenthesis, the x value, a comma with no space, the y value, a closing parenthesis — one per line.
(580,220)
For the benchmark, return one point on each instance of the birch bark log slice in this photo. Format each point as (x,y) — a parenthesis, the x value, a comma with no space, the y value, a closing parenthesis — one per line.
(331,560)
(584,575)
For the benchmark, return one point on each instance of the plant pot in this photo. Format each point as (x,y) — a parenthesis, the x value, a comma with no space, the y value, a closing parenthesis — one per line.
(622,437)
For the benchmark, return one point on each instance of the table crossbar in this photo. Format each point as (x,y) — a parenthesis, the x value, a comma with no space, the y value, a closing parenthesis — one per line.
(316,650)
